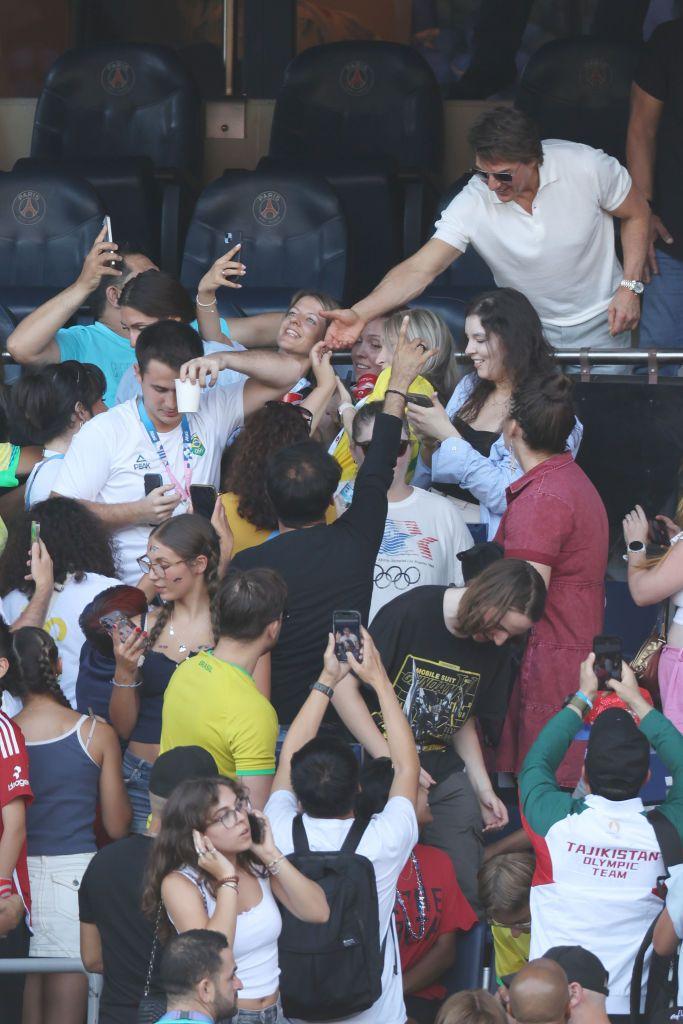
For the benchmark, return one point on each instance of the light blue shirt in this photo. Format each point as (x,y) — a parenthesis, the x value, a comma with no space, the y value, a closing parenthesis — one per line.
(456,462)
(96,343)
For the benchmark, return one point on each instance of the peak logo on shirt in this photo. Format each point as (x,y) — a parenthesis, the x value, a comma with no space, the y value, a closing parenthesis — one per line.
(141,463)
(197,446)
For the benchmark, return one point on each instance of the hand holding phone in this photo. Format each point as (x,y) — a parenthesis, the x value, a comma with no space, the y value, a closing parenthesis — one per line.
(422,400)
(152,481)
(35,531)
(608,657)
(346,628)
(117,620)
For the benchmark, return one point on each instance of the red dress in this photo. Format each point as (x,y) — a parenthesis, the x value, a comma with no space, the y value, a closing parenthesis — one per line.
(554,517)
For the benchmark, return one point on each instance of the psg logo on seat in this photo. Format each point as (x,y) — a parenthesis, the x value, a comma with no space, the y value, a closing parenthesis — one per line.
(269,208)
(29,207)
(357,78)
(117,78)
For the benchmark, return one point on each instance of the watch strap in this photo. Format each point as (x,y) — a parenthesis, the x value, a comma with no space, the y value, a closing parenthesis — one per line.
(323,688)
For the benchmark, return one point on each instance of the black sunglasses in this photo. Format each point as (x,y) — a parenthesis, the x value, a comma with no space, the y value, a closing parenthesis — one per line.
(504,177)
(402,446)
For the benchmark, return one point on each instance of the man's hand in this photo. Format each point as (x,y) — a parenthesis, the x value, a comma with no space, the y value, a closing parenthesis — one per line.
(158,505)
(657,231)
(627,689)
(40,567)
(588,681)
(410,357)
(433,423)
(203,368)
(97,263)
(344,329)
(11,912)
(493,810)
(217,276)
(623,312)
(370,670)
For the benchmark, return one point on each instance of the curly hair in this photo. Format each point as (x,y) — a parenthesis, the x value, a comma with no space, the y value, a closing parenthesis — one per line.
(188,807)
(76,540)
(277,425)
(39,660)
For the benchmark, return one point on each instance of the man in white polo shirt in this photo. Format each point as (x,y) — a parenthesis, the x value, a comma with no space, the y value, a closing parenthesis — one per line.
(105,467)
(541,215)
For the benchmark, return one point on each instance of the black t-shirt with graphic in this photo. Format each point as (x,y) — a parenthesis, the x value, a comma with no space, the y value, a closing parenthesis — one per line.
(440,679)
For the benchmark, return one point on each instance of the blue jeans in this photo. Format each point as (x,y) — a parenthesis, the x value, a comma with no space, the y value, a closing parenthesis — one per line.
(271,1015)
(136,773)
(661,323)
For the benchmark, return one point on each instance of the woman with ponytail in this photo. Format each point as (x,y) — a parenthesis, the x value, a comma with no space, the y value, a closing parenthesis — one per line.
(183,562)
(74,761)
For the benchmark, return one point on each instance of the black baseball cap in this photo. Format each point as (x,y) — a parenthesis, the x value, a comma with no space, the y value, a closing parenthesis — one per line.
(618,755)
(581,965)
(178,765)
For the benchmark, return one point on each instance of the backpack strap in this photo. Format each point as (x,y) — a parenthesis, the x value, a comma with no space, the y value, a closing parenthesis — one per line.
(668,838)
(299,837)
(355,835)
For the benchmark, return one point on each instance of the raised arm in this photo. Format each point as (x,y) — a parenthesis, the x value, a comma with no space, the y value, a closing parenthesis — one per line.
(402,283)
(325,384)
(35,612)
(302,897)
(271,374)
(650,584)
(33,340)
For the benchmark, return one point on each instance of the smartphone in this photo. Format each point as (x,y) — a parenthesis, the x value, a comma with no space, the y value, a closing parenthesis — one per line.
(203,499)
(106,224)
(346,630)
(659,534)
(152,481)
(256,826)
(233,238)
(608,657)
(423,400)
(118,619)
(35,532)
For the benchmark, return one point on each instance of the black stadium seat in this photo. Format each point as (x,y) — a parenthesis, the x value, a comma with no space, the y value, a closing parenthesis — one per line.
(129,118)
(578,89)
(48,222)
(369,117)
(292,230)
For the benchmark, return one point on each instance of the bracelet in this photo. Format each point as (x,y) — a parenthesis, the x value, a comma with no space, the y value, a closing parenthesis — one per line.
(582,696)
(205,305)
(228,885)
(228,878)
(393,391)
(126,686)
(344,406)
(577,704)
(270,868)
(323,688)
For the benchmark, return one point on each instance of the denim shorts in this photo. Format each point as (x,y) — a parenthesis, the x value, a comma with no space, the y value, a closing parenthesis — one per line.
(136,773)
(270,1015)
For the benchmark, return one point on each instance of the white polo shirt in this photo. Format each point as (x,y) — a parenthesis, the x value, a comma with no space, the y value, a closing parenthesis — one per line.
(109,456)
(561,255)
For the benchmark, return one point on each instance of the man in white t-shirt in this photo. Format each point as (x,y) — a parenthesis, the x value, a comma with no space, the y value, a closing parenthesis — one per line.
(541,214)
(321,775)
(107,462)
(423,533)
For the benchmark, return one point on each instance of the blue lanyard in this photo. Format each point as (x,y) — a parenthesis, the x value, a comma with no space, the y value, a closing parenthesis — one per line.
(183,490)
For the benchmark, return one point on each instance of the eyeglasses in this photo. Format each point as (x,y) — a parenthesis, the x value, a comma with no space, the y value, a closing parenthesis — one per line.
(504,177)
(402,446)
(154,568)
(523,926)
(228,819)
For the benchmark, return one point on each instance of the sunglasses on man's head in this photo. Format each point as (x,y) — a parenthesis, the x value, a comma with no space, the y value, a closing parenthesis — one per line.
(504,177)
(402,446)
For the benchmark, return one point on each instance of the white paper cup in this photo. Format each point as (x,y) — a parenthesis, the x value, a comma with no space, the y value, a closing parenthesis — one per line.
(187,395)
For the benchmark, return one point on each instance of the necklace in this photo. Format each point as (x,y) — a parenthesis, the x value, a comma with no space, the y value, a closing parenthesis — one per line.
(422,905)
(171,632)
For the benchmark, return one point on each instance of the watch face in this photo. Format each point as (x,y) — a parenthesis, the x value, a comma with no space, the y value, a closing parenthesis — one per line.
(638,287)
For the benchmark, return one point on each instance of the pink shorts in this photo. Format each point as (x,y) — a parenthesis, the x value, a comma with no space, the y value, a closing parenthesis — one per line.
(671,684)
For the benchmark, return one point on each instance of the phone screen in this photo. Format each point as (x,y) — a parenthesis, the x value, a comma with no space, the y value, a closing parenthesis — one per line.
(117,619)
(346,630)
(35,532)
(608,657)
(203,499)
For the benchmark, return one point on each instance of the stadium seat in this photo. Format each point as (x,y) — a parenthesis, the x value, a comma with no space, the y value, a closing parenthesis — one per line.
(468,970)
(292,230)
(128,117)
(369,117)
(48,222)
(578,89)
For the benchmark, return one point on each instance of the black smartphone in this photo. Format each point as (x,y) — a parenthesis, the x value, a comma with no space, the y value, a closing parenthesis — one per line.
(256,826)
(608,657)
(233,238)
(423,400)
(203,499)
(152,481)
(346,631)
(659,534)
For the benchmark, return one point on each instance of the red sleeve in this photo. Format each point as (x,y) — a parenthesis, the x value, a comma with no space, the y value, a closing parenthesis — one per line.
(14,777)
(536,528)
(456,914)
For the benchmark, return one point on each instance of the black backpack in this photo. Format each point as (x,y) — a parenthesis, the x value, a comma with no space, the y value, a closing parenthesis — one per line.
(333,970)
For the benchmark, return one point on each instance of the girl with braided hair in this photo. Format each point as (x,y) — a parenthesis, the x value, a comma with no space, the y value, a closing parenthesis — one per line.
(183,565)
(74,762)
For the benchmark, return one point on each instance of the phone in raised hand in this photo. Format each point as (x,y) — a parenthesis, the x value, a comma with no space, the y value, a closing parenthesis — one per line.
(347,633)
(608,657)
(117,619)
(233,238)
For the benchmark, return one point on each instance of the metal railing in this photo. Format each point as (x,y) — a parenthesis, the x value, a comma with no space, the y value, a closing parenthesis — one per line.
(58,965)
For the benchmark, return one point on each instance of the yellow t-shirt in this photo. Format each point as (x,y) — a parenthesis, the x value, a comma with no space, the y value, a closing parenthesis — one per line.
(245,534)
(511,954)
(213,704)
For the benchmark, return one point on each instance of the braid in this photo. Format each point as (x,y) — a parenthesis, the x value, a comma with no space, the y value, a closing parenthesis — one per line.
(46,677)
(158,627)
(213,582)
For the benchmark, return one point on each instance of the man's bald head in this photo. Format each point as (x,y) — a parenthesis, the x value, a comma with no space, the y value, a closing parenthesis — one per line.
(539,994)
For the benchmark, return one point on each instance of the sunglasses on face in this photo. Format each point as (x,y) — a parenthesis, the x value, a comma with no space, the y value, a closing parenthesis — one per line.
(402,447)
(504,177)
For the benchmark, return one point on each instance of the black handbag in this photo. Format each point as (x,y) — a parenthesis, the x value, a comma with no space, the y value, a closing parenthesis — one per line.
(151,1008)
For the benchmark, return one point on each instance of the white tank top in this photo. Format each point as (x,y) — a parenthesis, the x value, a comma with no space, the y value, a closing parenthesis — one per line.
(256,935)
(677,598)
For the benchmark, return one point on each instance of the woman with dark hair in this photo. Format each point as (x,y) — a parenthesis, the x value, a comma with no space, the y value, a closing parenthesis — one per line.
(448,654)
(97,663)
(182,562)
(83,565)
(249,512)
(74,761)
(52,403)
(214,865)
(468,457)
(556,521)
